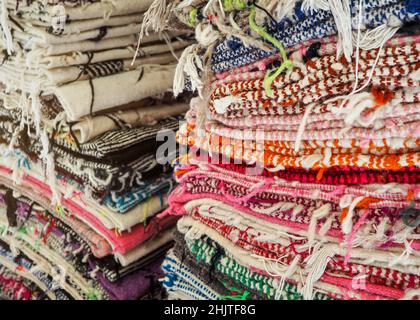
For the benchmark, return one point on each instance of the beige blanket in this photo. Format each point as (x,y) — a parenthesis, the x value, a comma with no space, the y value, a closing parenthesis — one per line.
(79,26)
(80,98)
(61,76)
(103,9)
(91,127)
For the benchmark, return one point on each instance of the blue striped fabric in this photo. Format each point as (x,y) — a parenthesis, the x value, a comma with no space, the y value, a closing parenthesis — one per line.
(299,27)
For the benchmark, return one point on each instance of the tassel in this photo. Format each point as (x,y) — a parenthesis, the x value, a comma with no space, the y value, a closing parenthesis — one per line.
(347,215)
(376,38)
(318,262)
(189,64)
(48,159)
(35,106)
(155,18)
(342,17)
(302,125)
(348,210)
(352,235)
(317,214)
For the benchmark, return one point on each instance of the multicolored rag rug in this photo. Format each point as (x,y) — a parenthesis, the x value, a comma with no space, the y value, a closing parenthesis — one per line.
(83,102)
(301,179)
(210,150)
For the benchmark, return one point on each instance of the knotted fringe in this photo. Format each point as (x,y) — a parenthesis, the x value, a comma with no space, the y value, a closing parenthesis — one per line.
(191,65)
(293,267)
(317,214)
(35,106)
(47,157)
(342,17)
(317,262)
(156,19)
(374,38)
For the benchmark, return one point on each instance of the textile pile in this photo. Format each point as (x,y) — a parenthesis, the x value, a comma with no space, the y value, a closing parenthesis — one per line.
(80,184)
(302,176)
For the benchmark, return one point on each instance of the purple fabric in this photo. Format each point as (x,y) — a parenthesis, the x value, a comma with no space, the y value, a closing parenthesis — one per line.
(135,285)
(130,287)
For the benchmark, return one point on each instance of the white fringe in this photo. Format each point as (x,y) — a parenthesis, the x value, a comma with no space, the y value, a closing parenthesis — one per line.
(318,262)
(188,65)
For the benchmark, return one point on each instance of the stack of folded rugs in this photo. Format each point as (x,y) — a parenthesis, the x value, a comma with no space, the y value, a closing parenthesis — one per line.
(80,184)
(302,176)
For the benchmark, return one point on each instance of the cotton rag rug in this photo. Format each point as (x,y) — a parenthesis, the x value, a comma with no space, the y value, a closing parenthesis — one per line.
(301,179)
(83,101)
